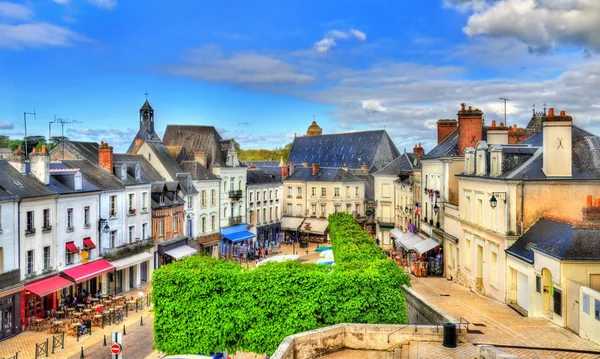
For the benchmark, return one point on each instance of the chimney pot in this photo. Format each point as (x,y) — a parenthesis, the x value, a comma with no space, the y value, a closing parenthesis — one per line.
(550,112)
(493,123)
(470,108)
(562,113)
(315,168)
(588,201)
(462,106)
(105,157)
(43,149)
(597,202)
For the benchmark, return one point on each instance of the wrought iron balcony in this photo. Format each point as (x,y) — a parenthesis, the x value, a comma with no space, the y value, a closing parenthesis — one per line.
(235,194)
(9,279)
(386,222)
(235,220)
(128,249)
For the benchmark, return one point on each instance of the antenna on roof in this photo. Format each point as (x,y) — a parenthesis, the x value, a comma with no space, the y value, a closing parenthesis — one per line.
(25,121)
(534,109)
(505,99)
(62,122)
(544,108)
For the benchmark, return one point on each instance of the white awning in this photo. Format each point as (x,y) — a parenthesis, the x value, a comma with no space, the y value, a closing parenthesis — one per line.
(291,223)
(408,240)
(425,246)
(126,262)
(396,233)
(181,252)
(315,225)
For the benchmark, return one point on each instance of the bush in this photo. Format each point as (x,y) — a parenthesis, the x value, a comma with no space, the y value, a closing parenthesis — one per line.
(205,305)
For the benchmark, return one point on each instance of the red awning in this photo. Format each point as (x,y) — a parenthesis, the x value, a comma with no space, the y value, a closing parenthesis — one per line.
(89,270)
(48,285)
(72,248)
(88,243)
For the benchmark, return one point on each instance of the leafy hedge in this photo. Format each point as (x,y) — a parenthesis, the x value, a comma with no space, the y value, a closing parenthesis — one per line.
(204,305)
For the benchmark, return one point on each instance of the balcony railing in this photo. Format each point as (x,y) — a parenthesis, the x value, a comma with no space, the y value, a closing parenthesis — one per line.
(128,249)
(235,194)
(10,278)
(235,220)
(385,221)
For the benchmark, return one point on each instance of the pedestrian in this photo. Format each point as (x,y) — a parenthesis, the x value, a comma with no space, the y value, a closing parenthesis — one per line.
(377,240)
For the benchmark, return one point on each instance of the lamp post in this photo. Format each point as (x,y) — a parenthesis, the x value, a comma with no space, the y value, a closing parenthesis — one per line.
(494,201)
(102,228)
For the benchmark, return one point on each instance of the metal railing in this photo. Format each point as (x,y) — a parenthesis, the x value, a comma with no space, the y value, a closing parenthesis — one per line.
(235,194)
(235,220)
(128,249)
(385,220)
(9,278)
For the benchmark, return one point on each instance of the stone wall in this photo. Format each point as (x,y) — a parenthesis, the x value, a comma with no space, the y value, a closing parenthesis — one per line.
(422,312)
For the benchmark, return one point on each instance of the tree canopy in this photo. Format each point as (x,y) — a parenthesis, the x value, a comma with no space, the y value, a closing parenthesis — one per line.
(203,305)
(265,155)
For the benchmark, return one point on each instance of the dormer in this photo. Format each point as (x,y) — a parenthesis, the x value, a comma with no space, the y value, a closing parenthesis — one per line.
(78,181)
(189,184)
(495,160)
(481,151)
(469,160)
(232,157)
(138,171)
(123,172)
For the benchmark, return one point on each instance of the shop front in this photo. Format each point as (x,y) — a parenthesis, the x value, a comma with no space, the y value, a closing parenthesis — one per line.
(209,244)
(10,304)
(268,236)
(88,278)
(42,295)
(235,240)
(174,250)
(290,226)
(404,246)
(132,270)
(314,230)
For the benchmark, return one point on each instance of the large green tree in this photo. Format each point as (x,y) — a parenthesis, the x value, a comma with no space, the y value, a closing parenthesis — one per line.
(205,305)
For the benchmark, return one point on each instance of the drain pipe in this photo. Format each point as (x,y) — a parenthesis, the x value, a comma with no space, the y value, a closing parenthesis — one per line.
(522,205)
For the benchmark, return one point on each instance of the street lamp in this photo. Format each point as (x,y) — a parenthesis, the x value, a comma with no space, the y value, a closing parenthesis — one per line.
(106,228)
(436,209)
(494,201)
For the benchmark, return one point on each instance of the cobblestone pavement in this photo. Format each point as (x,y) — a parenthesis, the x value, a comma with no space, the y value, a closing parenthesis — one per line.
(498,323)
(25,342)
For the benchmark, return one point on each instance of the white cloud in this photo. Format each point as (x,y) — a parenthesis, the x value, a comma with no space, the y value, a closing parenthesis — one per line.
(62,2)
(328,41)
(247,68)
(104,4)
(373,106)
(36,35)
(541,24)
(6,125)
(12,11)
(325,44)
(361,36)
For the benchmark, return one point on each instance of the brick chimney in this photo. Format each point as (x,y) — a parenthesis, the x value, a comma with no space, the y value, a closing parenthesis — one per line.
(17,160)
(344,167)
(591,213)
(201,158)
(444,128)
(419,151)
(284,168)
(516,135)
(470,128)
(252,166)
(558,148)
(305,164)
(497,135)
(364,169)
(291,168)
(39,165)
(315,168)
(105,157)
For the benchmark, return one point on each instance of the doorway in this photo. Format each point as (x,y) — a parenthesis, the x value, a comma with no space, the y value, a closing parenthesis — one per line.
(547,300)
(479,267)
(573,306)
(131,277)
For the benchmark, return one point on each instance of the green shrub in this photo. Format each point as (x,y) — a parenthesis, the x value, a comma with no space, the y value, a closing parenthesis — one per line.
(205,305)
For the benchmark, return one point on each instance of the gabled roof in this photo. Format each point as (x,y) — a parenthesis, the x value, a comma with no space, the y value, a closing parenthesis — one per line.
(447,148)
(198,172)
(196,139)
(146,106)
(79,149)
(62,180)
(147,173)
(94,174)
(375,149)
(185,182)
(17,184)
(560,240)
(402,164)
(270,167)
(256,176)
(162,154)
(323,175)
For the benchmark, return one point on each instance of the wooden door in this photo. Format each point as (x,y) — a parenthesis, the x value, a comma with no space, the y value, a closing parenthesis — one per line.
(573,306)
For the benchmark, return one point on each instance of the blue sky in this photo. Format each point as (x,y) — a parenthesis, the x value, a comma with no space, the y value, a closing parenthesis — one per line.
(259,71)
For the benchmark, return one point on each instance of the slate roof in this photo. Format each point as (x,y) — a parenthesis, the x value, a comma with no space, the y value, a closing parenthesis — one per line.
(586,164)
(185,181)
(147,173)
(196,139)
(560,240)
(93,173)
(256,176)
(81,150)
(403,163)
(373,148)
(369,186)
(161,152)
(198,172)
(322,175)
(447,148)
(170,198)
(270,167)
(14,183)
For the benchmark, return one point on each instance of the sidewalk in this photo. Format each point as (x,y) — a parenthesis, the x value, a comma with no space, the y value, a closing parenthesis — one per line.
(499,324)
(25,342)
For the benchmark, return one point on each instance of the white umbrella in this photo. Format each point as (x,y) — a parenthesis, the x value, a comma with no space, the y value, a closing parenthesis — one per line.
(328,254)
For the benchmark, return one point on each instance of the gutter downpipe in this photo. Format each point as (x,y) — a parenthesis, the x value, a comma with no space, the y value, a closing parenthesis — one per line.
(522,205)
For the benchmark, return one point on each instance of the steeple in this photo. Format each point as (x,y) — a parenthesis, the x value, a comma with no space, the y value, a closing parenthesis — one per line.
(147,118)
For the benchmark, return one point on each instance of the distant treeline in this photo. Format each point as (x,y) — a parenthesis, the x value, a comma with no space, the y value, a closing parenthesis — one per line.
(264,154)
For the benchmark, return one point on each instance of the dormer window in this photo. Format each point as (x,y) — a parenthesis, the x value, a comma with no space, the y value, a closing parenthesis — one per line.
(78,182)
(470,161)
(138,171)
(189,183)
(482,151)
(124,172)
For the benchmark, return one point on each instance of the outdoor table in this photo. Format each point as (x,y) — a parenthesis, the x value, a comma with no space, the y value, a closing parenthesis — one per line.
(107,301)
(98,319)
(131,304)
(118,307)
(118,297)
(70,309)
(57,324)
(87,311)
(75,328)
(60,314)
(80,305)
(77,314)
